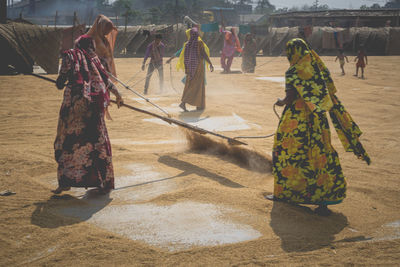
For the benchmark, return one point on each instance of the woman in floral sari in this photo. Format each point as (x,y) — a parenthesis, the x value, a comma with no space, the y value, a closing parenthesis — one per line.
(305,165)
(82,147)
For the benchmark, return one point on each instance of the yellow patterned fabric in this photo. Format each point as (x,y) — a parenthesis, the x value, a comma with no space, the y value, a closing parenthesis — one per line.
(347,130)
(181,61)
(306,167)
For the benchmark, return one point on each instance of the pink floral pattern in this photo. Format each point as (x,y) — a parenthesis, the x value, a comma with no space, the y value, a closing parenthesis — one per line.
(82,147)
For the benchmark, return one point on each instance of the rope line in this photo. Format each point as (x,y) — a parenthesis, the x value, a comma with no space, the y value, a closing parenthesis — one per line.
(170,78)
(136,93)
(262,136)
(134,76)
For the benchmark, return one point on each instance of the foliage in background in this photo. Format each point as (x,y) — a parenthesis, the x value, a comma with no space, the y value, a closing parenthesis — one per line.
(389,4)
(173,11)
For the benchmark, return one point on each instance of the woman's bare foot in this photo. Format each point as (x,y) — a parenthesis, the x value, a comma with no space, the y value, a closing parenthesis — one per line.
(60,189)
(183,106)
(323,210)
(103,191)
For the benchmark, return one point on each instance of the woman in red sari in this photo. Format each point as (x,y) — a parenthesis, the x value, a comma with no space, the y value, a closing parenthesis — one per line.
(82,147)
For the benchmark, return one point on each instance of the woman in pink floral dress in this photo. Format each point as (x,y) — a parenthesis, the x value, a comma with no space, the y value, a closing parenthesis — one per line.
(82,147)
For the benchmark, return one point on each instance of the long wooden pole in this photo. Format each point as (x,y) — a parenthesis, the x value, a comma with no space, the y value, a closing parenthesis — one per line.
(55,20)
(196,129)
(136,93)
(184,125)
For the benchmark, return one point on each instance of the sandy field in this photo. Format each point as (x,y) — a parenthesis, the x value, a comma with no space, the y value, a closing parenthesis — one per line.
(177,207)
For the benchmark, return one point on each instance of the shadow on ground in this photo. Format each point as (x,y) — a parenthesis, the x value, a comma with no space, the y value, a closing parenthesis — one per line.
(189,168)
(300,229)
(47,214)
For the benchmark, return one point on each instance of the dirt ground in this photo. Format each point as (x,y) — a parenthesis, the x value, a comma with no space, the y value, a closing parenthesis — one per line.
(39,230)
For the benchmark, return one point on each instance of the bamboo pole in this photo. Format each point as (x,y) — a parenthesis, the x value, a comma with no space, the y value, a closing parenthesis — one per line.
(55,20)
(196,129)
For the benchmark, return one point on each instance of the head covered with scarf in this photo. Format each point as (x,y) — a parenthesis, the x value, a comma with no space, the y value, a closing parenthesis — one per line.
(192,56)
(104,34)
(88,71)
(305,76)
(180,65)
(249,43)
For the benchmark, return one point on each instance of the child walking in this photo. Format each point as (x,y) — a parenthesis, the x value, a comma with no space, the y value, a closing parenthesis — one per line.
(362,61)
(341,58)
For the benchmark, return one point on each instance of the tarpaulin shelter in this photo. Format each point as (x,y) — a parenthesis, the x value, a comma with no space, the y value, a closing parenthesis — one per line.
(70,34)
(23,44)
(327,40)
(277,39)
(124,38)
(393,43)
(134,39)
(373,40)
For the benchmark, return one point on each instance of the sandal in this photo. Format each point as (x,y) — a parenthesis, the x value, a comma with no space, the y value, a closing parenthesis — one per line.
(271,197)
(60,189)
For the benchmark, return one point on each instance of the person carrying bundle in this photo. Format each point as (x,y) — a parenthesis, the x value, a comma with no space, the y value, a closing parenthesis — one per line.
(306,167)
(82,146)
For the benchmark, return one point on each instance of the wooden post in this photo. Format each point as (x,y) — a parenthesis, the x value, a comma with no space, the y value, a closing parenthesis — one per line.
(3,11)
(126,20)
(176,12)
(55,20)
(270,46)
(75,19)
(8,7)
(73,29)
(90,18)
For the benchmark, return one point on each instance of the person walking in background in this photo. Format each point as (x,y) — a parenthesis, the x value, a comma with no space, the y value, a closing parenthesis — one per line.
(341,58)
(194,55)
(231,44)
(362,61)
(82,147)
(249,54)
(306,167)
(104,34)
(155,50)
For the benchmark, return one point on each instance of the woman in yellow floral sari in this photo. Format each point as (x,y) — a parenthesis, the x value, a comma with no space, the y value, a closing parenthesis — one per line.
(305,165)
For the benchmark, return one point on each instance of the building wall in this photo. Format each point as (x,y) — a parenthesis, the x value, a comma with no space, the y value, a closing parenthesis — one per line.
(338,19)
